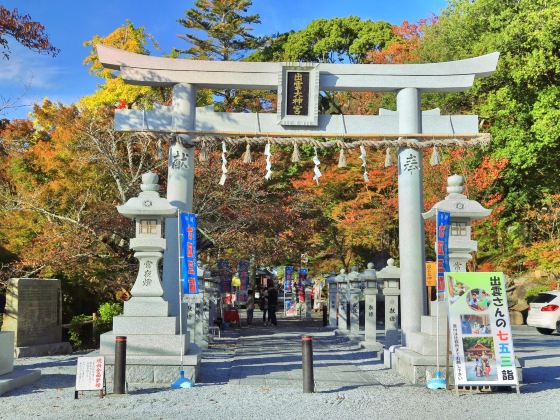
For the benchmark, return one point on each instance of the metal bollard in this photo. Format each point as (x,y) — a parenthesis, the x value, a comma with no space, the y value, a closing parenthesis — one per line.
(307,363)
(119,380)
(325,316)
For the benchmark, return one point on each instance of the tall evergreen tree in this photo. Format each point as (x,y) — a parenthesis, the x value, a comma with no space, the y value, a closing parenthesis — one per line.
(226,26)
(221,30)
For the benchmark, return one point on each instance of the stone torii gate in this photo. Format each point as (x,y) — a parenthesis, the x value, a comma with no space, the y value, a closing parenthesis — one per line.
(409,81)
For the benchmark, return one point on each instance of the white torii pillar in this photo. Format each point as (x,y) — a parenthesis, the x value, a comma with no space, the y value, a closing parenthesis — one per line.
(180,182)
(411,205)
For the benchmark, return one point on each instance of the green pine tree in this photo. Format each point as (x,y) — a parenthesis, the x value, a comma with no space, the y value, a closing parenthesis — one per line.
(225,25)
(221,30)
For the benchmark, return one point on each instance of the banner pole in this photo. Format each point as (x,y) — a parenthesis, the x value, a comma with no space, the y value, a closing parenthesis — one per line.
(180,288)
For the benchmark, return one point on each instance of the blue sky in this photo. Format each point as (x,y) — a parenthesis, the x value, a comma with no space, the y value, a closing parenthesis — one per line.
(30,77)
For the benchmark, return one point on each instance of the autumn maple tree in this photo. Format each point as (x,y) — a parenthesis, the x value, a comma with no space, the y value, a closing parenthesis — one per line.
(24,30)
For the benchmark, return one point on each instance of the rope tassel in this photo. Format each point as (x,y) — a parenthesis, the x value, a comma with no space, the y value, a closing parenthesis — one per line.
(435,159)
(295,154)
(316,171)
(224,164)
(341,159)
(388,158)
(268,155)
(363,158)
(247,158)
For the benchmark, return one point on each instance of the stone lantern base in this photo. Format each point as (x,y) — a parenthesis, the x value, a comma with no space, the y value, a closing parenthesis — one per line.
(10,377)
(154,344)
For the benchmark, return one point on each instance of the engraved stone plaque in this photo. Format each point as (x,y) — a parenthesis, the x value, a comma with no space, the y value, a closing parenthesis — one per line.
(34,311)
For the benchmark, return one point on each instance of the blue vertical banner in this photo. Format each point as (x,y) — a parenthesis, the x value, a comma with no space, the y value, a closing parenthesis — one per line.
(189,271)
(288,278)
(442,232)
(243,272)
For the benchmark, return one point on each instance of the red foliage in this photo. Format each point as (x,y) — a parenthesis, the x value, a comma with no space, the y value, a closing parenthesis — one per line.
(27,32)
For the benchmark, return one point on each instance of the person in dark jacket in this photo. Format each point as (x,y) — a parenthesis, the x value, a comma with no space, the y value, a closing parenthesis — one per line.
(263,303)
(272,304)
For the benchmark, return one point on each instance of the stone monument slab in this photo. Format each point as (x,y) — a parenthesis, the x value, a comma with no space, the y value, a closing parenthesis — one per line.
(34,314)
(11,378)
(6,352)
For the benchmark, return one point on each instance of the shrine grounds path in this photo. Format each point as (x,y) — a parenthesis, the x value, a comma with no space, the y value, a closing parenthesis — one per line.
(255,373)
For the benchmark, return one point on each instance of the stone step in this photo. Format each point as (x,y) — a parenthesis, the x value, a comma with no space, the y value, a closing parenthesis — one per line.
(428,325)
(128,325)
(146,344)
(426,344)
(146,306)
(20,376)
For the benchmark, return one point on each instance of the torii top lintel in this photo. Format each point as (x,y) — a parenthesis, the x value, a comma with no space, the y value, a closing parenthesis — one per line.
(146,70)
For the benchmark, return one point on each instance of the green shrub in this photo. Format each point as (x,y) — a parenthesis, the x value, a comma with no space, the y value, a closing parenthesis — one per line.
(75,333)
(534,291)
(107,311)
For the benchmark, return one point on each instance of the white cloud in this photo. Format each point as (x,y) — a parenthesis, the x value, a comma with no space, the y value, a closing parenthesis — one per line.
(27,68)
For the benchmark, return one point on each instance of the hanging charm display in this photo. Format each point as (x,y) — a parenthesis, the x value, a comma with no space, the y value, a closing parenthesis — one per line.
(268,155)
(159,149)
(434,159)
(363,158)
(388,158)
(341,158)
(203,155)
(247,158)
(295,154)
(317,173)
(224,164)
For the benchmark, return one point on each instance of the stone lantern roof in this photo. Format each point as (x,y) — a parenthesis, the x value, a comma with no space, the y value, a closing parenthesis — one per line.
(457,203)
(369,273)
(148,202)
(389,272)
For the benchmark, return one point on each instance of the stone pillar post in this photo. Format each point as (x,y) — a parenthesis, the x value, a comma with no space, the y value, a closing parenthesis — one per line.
(332,302)
(308,292)
(411,201)
(369,277)
(180,179)
(391,316)
(342,297)
(391,278)
(371,319)
(354,299)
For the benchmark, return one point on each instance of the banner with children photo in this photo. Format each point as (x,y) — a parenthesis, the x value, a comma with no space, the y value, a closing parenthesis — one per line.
(480,330)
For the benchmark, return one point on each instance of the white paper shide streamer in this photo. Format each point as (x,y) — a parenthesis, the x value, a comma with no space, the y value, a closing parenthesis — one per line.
(363,158)
(224,164)
(317,173)
(268,155)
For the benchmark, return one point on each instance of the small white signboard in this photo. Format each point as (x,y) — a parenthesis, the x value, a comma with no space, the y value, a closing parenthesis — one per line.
(90,373)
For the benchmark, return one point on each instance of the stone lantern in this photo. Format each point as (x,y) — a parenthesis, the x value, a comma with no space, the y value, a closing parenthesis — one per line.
(354,291)
(148,211)
(369,278)
(391,277)
(342,296)
(463,213)
(154,342)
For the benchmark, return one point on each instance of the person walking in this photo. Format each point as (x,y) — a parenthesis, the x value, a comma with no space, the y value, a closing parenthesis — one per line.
(272,304)
(250,306)
(263,303)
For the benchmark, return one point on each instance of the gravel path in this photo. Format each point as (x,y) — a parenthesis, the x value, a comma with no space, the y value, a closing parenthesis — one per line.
(255,373)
